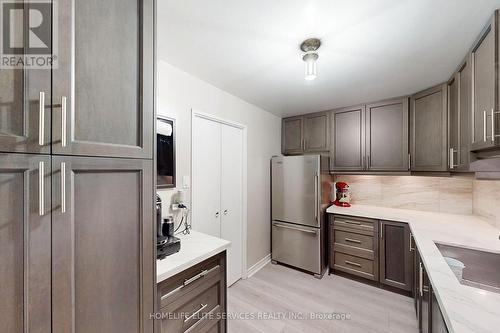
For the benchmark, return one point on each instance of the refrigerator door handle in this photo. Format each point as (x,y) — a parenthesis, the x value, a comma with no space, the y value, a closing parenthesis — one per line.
(316,208)
(314,232)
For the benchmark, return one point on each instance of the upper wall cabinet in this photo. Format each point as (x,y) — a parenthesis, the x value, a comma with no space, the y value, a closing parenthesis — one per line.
(292,133)
(347,146)
(429,130)
(103,85)
(484,87)
(459,118)
(305,134)
(387,136)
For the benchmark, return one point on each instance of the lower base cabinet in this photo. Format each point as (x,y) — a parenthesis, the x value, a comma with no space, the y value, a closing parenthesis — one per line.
(194,301)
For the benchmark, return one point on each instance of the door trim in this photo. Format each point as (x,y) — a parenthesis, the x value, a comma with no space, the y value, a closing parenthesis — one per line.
(199,114)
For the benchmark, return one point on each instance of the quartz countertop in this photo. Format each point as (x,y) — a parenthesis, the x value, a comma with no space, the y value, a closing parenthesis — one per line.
(464,308)
(195,247)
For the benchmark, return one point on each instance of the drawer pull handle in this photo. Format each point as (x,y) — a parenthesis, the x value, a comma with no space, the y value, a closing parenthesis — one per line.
(347,262)
(352,222)
(352,240)
(190,280)
(202,307)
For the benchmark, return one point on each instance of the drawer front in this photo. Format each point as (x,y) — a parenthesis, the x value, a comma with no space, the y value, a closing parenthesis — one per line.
(352,239)
(194,311)
(355,265)
(187,281)
(356,224)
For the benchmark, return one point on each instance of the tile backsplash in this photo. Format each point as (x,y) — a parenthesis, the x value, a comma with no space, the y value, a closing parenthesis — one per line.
(438,194)
(486,200)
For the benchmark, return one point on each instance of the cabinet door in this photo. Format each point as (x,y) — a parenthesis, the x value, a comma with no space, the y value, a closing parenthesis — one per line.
(483,60)
(429,127)
(454,121)
(396,267)
(103,85)
(25,285)
(25,104)
(438,324)
(465,116)
(347,146)
(102,245)
(292,140)
(387,136)
(316,132)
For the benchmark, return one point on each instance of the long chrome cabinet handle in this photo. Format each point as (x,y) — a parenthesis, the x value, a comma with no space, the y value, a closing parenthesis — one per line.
(421,278)
(63,121)
(41,188)
(492,125)
(350,240)
(41,118)
(188,318)
(352,263)
(297,229)
(484,125)
(63,187)
(190,280)
(411,242)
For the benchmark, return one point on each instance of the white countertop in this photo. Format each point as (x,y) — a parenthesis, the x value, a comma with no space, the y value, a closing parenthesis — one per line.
(464,308)
(195,247)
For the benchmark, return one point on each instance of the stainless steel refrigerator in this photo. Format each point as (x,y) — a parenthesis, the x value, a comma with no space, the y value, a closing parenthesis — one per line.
(300,194)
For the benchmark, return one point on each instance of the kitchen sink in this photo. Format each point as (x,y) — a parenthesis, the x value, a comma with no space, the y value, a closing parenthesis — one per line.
(474,268)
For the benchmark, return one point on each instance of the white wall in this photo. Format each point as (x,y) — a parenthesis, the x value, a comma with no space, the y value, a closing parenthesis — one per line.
(178,93)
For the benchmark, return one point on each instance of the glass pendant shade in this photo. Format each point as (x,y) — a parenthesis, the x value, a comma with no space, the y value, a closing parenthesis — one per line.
(310,66)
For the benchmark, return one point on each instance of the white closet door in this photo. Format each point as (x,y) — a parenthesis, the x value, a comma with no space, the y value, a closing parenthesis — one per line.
(232,198)
(206,176)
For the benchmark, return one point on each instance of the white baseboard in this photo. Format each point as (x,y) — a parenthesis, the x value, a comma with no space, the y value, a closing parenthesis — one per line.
(259,265)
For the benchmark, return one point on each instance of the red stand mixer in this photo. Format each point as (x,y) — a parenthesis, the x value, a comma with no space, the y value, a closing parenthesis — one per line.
(342,195)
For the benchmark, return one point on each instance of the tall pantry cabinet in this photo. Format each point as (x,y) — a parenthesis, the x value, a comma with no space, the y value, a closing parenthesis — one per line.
(76,176)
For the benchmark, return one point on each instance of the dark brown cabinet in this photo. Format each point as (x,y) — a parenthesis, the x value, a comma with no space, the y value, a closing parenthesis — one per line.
(438,325)
(195,299)
(347,146)
(396,265)
(429,130)
(292,130)
(305,134)
(316,132)
(454,121)
(380,251)
(102,238)
(387,136)
(484,70)
(103,85)
(25,233)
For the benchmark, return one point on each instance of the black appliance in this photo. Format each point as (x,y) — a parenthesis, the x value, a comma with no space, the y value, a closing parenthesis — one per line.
(166,242)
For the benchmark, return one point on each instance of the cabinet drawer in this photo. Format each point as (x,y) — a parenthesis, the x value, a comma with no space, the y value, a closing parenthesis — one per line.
(354,244)
(193,311)
(356,224)
(187,281)
(355,265)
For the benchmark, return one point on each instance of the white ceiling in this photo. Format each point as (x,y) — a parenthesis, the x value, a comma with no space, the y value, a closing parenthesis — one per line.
(371,49)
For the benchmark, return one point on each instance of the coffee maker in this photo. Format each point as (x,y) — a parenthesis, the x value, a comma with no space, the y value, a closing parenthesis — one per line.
(166,242)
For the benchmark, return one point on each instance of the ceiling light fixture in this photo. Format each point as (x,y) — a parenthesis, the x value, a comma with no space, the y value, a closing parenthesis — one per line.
(310,46)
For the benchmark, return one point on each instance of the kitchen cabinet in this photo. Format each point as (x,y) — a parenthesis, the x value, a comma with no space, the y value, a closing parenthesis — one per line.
(453,121)
(25,233)
(316,132)
(396,266)
(438,324)
(194,300)
(305,134)
(347,145)
(465,116)
(484,71)
(103,84)
(380,251)
(429,130)
(387,136)
(422,295)
(102,237)
(292,133)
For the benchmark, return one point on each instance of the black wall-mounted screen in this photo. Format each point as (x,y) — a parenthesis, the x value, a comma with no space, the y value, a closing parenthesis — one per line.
(165,153)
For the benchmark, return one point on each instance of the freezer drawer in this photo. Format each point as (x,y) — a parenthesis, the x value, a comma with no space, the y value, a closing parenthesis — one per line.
(297,246)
